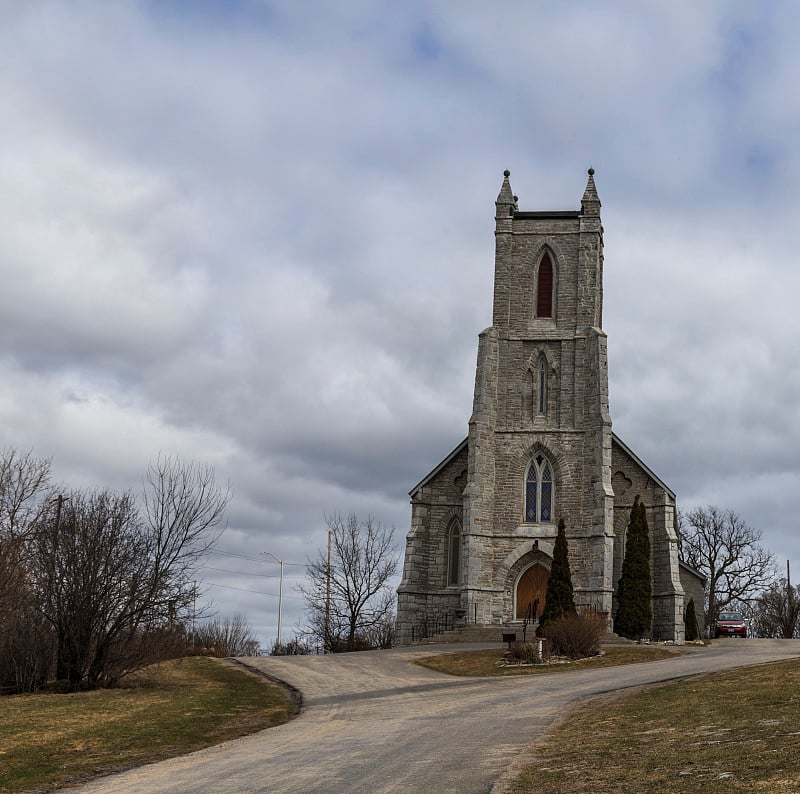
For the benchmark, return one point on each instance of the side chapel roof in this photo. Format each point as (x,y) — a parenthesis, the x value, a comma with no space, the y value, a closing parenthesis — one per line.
(431,474)
(615,439)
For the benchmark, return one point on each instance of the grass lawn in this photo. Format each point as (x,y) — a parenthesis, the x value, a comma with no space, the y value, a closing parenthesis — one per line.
(728,732)
(172,708)
(485,663)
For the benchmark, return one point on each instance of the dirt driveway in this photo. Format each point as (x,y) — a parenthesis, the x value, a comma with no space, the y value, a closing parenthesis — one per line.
(373,722)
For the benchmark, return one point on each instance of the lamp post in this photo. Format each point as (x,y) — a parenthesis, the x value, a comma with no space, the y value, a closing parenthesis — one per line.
(280,592)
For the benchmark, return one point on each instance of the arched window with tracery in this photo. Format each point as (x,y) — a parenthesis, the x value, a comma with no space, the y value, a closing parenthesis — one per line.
(539,490)
(544,288)
(454,553)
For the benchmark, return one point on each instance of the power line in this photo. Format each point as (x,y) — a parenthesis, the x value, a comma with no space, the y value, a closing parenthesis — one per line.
(247,590)
(254,559)
(240,573)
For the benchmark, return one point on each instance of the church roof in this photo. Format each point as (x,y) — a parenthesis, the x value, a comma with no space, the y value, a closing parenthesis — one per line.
(531,215)
(650,473)
(431,474)
(614,437)
(693,571)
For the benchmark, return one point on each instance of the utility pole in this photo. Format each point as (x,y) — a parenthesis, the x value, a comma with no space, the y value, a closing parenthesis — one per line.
(194,610)
(328,599)
(59,502)
(280,592)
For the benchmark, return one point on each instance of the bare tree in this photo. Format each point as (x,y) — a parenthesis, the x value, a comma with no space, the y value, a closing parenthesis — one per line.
(24,492)
(228,637)
(117,586)
(25,642)
(349,603)
(90,560)
(728,552)
(776,612)
(24,488)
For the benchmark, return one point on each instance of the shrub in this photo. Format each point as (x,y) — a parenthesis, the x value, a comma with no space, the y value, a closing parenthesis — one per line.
(222,638)
(295,647)
(26,651)
(634,613)
(523,653)
(559,600)
(576,636)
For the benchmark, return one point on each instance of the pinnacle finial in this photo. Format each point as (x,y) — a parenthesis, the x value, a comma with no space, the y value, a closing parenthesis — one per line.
(590,203)
(506,200)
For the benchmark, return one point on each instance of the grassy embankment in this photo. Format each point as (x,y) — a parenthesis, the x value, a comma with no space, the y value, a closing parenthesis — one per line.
(169,709)
(486,663)
(723,732)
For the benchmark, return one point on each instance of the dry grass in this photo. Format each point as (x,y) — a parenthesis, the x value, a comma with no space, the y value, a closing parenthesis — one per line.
(173,708)
(485,663)
(734,731)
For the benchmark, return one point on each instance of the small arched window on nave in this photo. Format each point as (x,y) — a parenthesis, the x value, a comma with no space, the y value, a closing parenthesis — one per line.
(544,288)
(454,553)
(539,491)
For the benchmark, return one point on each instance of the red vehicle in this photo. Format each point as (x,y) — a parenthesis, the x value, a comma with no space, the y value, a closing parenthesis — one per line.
(730,624)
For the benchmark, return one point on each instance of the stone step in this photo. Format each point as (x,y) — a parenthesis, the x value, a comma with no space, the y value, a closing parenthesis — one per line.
(471,634)
(609,638)
(495,634)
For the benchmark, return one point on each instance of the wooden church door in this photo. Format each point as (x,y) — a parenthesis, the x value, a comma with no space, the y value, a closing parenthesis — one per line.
(532,585)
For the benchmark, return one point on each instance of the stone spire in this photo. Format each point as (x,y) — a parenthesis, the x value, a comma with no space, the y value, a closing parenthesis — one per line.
(590,203)
(506,201)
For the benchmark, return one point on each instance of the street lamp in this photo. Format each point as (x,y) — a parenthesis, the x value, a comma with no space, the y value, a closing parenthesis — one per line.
(280,592)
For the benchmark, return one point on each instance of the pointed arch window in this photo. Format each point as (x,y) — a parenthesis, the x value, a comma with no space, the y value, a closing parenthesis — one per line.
(541,387)
(544,288)
(454,554)
(539,491)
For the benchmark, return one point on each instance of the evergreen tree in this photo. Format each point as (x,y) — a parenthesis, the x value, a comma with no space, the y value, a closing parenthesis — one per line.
(635,612)
(691,629)
(559,600)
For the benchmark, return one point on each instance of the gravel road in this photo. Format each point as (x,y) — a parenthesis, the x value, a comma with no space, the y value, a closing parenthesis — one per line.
(374,722)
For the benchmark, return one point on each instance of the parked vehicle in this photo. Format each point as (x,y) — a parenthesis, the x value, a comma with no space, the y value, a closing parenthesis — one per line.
(730,624)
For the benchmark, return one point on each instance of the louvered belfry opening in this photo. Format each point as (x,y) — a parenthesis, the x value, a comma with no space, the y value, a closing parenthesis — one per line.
(544,292)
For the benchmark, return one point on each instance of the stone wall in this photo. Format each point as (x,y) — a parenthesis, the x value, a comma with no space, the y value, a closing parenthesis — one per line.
(694,587)
(424,596)
(630,478)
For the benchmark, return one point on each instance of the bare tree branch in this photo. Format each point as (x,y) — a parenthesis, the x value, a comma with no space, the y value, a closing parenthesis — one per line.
(222,638)
(776,612)
(24,486)
(728,552)
(363,561)
(116,585)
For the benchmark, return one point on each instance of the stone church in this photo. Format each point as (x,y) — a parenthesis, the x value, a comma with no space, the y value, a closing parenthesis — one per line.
(540,448)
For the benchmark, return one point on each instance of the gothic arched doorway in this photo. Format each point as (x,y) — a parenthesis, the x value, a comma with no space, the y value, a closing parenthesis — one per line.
(532,585)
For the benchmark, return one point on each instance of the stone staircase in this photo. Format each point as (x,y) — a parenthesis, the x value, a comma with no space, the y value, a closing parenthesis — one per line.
(471,634)
(609,638)
(495,634)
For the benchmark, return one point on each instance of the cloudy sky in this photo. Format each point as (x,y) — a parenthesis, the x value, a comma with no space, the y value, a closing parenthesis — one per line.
(260,235)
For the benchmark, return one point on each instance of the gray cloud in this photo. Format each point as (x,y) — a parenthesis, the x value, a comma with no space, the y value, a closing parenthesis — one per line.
(263,238)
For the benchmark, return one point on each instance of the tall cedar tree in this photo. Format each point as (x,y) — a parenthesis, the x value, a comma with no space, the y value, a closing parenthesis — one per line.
(691,629)
(559,600)
(635,612)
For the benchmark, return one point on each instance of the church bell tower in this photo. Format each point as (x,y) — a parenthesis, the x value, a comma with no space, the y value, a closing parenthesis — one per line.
(539,446)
